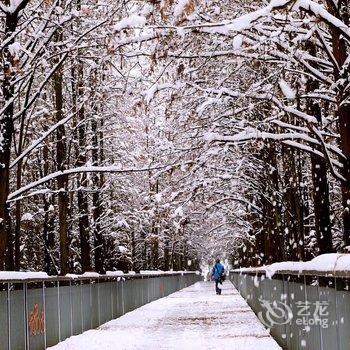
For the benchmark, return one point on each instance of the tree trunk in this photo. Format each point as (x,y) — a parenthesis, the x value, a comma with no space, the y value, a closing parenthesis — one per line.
(85,250)
(18,217)
(293,206)
(323,224)
(48,225)
(276,242)
(166,250)
(6,135)
(154,252)
(61,160)
(340,52)
(96,202)
(84,229)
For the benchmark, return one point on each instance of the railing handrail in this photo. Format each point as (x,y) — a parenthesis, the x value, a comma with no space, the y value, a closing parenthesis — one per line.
(78,278)
(318,273)
(35,316)
(280,302)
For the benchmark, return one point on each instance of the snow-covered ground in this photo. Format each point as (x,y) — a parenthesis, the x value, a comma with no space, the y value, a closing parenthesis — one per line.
(193,318)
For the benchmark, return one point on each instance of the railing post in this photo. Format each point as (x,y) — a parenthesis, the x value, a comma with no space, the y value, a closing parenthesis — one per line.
(81,306)
(318,294)
(98,302)
(71,308)
(123,302)
(148,289)
(336,311)
(142,291)
(26,315)
(90,300)
(9,315)
(44,306)
(59,311)
(112,298)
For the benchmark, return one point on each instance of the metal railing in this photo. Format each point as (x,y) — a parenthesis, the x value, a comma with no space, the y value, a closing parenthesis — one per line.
(36,314)
(305,310)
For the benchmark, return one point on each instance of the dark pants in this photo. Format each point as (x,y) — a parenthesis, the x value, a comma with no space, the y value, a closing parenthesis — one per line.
(218,290)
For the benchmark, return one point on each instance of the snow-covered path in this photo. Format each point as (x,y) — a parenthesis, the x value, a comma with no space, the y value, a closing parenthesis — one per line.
(193,318)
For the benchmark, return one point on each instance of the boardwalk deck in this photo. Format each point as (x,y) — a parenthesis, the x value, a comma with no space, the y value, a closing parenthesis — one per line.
(191,319)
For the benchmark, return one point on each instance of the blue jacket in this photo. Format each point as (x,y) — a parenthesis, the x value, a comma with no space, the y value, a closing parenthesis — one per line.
(218,271)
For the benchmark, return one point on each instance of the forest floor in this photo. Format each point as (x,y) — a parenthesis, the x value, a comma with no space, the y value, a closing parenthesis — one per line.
(193,318)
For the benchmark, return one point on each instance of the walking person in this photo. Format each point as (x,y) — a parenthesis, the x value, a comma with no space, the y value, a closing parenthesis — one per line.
(218,273)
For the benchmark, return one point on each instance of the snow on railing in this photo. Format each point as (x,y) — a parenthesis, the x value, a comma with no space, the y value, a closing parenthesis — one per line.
(27,276)
(333,264)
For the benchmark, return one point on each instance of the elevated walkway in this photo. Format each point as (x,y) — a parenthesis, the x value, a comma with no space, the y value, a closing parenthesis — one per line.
(192,318)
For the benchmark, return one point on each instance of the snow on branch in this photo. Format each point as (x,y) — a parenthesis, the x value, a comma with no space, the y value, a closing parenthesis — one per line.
(255,135)
(116,169)
(267,97)
(319,11)
(14,7)
(247,21)
(327,155)
(286,138)
(78,170)
(288,92)
(150,93)
(133,21)
(243,201)
(41,139)
(180,7)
